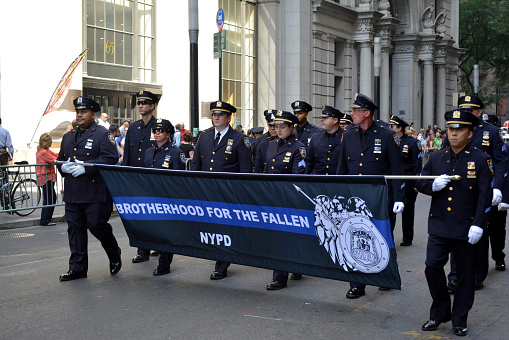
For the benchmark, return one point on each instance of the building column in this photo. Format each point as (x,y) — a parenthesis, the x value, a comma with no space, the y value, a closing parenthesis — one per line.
(441,95)
(366,70)
(385,86)
(427,97)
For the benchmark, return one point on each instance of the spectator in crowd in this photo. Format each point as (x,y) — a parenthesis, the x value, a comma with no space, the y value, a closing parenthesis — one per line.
(46,177)
(431,139)
(238,127)
(124,125)
(115,131)
(186,145)
(103,120)
(437,142)
(182,131)
(6,148)
(177,137)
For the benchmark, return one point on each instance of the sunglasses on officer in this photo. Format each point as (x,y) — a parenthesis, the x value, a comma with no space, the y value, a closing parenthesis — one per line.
(158,130)
(144,102)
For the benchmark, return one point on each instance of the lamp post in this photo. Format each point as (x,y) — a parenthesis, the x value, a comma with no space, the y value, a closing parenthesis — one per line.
(193,71)
(378,65)
(476,80)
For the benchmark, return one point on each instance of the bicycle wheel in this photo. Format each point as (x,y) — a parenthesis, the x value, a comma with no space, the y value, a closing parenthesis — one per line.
(26,194)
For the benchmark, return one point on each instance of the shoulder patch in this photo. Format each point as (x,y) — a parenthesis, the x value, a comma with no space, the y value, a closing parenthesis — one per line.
(183,158)
(302,151)
(112,139)
(490,165)
(247,141)
(396,139)
(419,145)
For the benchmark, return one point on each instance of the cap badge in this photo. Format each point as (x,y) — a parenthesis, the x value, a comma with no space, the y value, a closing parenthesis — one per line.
(485,116)
(159,120)
(218,104)
(279,113)
(80,100)
(456,114)
(467,98)
(140,93)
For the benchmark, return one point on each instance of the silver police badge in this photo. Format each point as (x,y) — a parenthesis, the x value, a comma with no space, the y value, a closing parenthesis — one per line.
(345,229)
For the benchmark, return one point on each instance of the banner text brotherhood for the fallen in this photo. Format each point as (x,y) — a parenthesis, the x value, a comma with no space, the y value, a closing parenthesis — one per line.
(335,227)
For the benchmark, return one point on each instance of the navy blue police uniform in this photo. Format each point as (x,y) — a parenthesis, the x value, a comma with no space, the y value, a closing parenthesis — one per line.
(285,156)
(374,151)
(486,138)
(410,149)
(454,209)
(88,204)
(165,157)
(323,150)
(263,144)
(256,140)
(231,154)
(305,132)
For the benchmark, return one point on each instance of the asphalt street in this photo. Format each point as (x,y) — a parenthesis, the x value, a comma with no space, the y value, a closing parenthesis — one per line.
(186,304)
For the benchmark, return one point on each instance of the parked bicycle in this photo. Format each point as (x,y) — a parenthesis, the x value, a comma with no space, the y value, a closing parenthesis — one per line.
(19,192)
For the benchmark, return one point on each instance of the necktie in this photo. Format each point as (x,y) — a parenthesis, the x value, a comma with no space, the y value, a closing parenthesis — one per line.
(218,137)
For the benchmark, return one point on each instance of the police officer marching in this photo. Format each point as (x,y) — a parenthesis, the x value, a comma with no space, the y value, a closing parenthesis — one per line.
(137,140)
(264,141)
(486,138)
(164,155)
(304,129)
(458,217)
(323,150)
(369,149)
(88,204)
(285,155)
(346,121)
(412,165)
(222,149)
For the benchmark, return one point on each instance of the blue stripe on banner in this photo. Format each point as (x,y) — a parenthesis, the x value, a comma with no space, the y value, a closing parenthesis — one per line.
(253,216)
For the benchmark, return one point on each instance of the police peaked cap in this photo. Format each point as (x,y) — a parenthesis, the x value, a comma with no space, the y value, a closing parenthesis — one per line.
(395,120)
(490,119)
(347,119)
(329,111)
(269,116)
(299,105)
(257,130)
(165,125)
(460,118)
(285,117)
(81,103)
(470,102)
(363,102)
(147,95)
(221,106)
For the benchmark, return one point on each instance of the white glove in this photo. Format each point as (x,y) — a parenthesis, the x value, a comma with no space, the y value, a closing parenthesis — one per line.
(497,197)
(68,167)
(503,206)
(79,169)
(474,234)
(440,182)
(398,207)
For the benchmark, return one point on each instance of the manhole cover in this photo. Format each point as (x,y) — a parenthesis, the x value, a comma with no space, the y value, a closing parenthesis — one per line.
(17,235)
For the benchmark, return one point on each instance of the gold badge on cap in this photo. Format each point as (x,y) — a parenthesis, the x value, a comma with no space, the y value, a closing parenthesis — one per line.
(279,113)
(467,98)
(218,104)
(160,120)
(456,114)
(140,93)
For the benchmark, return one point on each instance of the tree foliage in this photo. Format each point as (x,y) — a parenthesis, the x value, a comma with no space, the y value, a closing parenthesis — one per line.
(484,32)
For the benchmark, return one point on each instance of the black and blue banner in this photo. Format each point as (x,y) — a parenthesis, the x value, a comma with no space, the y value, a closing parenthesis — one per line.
(335,227)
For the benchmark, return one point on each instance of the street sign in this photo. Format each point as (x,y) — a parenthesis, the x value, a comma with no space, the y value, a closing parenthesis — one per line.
(223,42)
(220,19)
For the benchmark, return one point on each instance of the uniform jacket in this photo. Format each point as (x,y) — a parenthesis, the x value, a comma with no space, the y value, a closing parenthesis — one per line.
(461,203)
(257,141)
(487,138)
(381,156)
(95,145)
(304,133)
(233,153)
(167,157)
(138,140)
(290,158)
(412,158)
(323,153)
(261,153)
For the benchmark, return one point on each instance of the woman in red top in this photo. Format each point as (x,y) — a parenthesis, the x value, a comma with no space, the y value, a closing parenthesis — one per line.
(46,177)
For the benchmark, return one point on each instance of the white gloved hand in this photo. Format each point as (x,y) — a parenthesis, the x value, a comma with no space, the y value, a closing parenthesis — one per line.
(79,169)
(398,207)
(497,197)
(474,234)
(503,206)
(440,182)
(68,167)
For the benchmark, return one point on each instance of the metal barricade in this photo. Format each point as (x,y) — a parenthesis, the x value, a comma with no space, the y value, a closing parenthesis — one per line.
(26,187)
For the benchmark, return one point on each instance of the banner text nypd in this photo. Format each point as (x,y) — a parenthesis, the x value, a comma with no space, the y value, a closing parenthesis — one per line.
(264,217)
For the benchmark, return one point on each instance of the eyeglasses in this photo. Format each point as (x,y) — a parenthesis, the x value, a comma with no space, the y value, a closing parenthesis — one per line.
(158,130)
(143,102)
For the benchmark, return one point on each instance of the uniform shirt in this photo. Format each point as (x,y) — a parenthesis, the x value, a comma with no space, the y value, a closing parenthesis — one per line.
(411,153)
(94,145)
(304,133)
(487,138)
(138,140)
(165,157)
(261,153)
(379,155)
(5,140)
(461,203)
(285,156)
(323,152)
(232,154)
